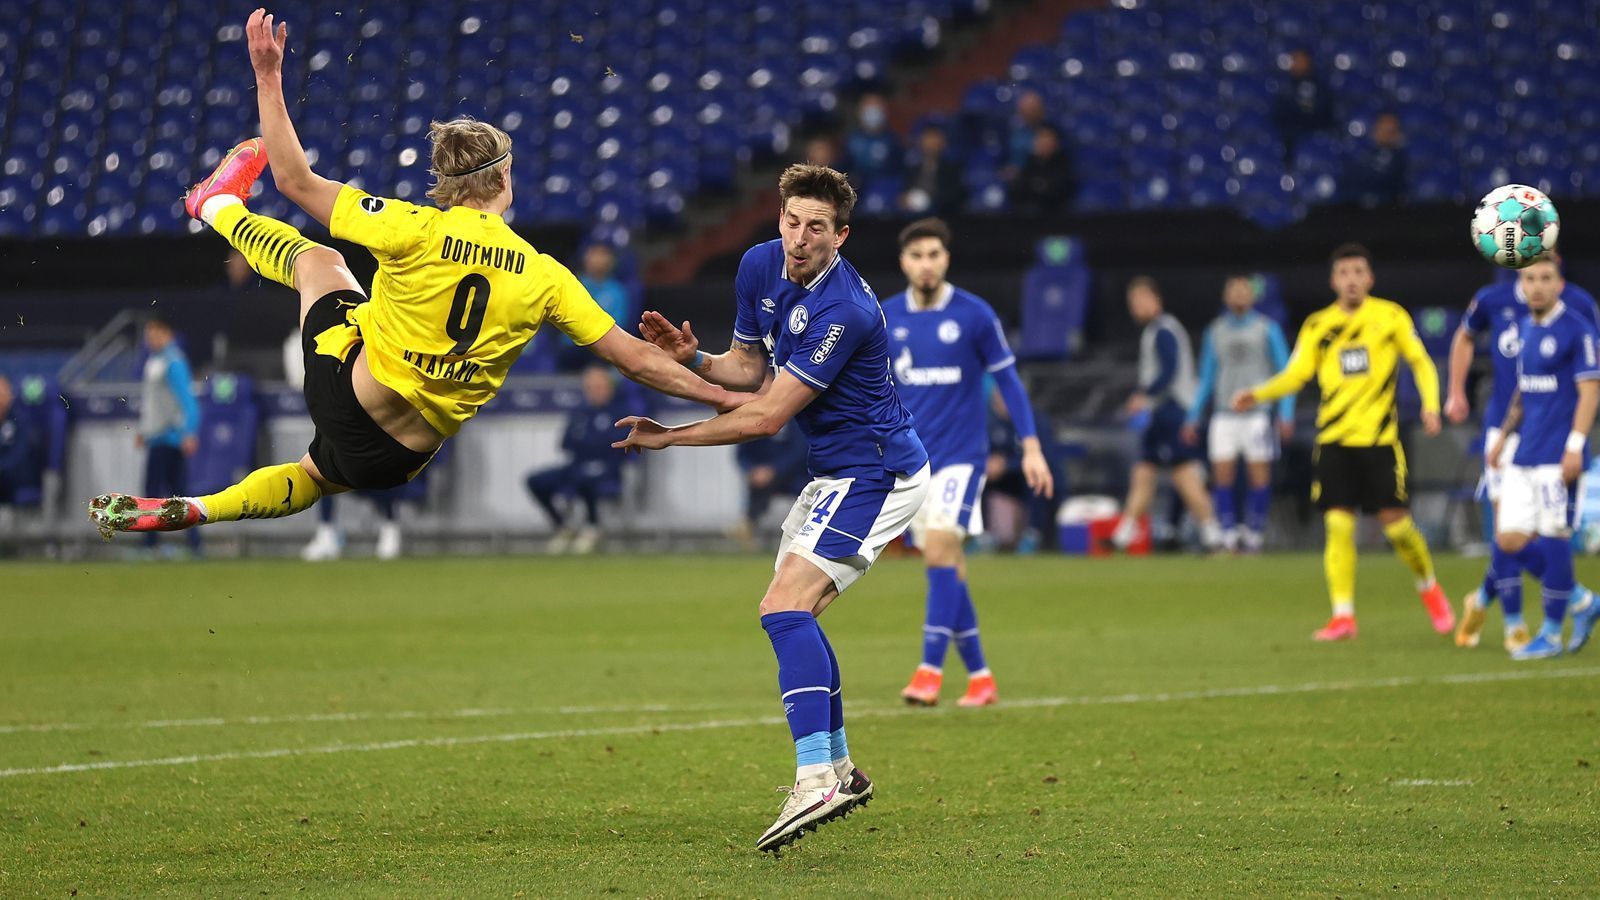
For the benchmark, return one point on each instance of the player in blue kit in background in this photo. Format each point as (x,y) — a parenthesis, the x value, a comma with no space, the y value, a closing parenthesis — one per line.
(1496,311)
(1241,348)
(943,340)
(1552,411)
(806,317)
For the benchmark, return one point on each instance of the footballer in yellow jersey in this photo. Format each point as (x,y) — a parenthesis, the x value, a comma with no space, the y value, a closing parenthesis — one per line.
(1354,348)
(457,297)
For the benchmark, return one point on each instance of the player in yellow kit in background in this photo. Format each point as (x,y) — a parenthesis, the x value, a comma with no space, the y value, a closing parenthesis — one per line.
(1353,348)
(456,298)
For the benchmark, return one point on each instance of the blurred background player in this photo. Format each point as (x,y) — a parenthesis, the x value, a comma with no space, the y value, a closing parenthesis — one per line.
(770,466)
(1353,348)
(1558,388)
(808,313)
(457,296)
(19,445)
(593,470)
(1241,348)
(943,340)
(1165,393)
(169,417)
(1496,311)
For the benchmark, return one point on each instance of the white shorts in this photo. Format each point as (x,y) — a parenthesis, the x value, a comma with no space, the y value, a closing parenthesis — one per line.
(1249,435)
(952,503)
(1492,477)
(840,525)
(1534,500)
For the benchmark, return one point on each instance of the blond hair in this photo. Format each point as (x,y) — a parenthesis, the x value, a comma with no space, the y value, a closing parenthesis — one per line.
(460,147)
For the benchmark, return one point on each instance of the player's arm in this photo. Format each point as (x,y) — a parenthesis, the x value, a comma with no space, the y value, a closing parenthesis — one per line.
(1462,349)
(762,417)
(1001,364)
(1423,371)
(1288,382)
(742,368)
(1587,377)
(649,365)
(1202,394)
(1513,421)
(291,171)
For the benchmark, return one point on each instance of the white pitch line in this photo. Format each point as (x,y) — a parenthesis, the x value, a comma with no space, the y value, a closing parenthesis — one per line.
(1432,782)
(1266,690)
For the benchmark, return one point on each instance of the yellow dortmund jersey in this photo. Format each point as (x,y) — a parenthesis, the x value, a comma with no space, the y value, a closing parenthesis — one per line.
(457,296)
(1355,357)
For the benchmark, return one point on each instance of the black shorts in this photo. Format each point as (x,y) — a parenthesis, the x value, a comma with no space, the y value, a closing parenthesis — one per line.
(1368,479)
(349,448)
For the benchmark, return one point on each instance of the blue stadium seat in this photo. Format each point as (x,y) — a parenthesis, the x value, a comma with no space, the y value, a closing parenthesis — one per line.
(1055,301)
(228,423)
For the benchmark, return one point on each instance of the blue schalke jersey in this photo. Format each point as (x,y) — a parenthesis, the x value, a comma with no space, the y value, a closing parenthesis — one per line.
(1495,310)
(1556,355)
(830,335)
(940,357)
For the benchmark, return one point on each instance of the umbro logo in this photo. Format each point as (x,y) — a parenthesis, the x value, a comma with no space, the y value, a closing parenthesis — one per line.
(767,304)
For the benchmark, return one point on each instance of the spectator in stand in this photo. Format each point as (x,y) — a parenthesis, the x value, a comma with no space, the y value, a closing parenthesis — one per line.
(934,176)
(1377,175)
(593,469)
(1046,185)
(597,274)
(821,150)
(1304,106)
(771,466)
(169,419)
(19,446)
(1025,122)
(871,151)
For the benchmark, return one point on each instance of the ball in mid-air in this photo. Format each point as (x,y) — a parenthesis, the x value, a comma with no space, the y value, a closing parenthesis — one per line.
(1515,225)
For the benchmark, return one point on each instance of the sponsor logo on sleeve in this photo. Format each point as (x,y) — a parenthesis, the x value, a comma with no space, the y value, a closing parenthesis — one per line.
(373,205)
(829,341)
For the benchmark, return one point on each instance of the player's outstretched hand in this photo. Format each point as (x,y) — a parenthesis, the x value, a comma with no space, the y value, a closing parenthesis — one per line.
(266,42)
(1244,401)
(643,434)
(1455,408)
(679,343)
(1431,424)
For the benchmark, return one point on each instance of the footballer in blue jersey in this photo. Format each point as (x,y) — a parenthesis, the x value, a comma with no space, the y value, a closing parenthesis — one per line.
(1495,316)
(1552,411)
(809,328)
(944,341)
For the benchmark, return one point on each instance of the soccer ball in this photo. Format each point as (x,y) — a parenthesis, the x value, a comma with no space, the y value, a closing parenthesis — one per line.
(1515,225)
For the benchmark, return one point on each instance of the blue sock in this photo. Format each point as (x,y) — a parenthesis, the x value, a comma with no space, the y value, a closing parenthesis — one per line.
(967,642)
(1258,503)
(1222,498)
(944,596)
(1532,559)
(1557,582)
(805,679)
(838,749)
(1507,573)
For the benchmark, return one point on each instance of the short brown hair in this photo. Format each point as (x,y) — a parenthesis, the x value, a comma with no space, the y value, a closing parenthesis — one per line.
(1350,251)
(460,147)
(1146,282)
(814,182)
(926,228)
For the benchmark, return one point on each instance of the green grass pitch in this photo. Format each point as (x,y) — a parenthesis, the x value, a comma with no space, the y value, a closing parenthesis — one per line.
(610,725)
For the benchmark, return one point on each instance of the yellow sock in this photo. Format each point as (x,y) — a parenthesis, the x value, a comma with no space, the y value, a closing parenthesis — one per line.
(1339,560)
(268,493)
(1412,548)
(268,245)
